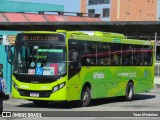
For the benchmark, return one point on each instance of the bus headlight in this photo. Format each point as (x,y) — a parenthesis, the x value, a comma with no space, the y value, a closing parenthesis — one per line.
(61,85)
(15,86)
(58,87)
(55,89)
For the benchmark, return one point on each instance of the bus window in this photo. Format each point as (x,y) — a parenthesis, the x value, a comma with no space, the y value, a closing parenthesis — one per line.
(89,57)
(104,57)
(158,54)
(127,55)
(138,55)
(28,58)
(116,54)
(74,58)
(147,53)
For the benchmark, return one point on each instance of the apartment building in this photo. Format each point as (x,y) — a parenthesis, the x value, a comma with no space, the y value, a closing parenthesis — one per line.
(123,10)
(97,7)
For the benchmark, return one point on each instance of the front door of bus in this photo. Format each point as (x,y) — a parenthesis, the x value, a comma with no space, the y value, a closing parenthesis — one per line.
(74,77)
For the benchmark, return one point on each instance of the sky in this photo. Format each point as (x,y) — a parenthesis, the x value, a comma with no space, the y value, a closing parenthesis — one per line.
(69,5)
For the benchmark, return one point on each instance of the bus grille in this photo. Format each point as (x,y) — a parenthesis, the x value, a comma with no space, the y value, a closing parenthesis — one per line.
(42,94)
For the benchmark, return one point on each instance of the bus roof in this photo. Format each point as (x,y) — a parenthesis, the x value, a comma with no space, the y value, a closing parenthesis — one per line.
(39,32)
(96,36)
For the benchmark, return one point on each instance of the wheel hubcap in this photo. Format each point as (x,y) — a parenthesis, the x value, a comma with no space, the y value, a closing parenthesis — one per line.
(130,93)
(85,96)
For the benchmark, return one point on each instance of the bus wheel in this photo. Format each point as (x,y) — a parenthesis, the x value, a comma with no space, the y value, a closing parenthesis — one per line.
(85,97)
(40,102)
(129,91)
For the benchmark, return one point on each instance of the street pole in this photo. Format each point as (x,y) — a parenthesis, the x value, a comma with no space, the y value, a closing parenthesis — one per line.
(158,65)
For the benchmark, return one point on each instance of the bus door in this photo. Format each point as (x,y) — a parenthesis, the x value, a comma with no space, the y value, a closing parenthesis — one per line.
(74,65)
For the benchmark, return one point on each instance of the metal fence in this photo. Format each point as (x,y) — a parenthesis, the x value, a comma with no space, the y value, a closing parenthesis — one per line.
(157,70)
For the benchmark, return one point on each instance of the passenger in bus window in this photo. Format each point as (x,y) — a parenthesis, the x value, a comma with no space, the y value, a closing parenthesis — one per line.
(107,61)
(88,61)
(74,56)
(115,59)
(101,61)
(125,60)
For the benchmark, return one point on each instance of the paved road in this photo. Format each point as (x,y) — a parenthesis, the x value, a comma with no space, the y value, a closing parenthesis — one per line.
(148,101)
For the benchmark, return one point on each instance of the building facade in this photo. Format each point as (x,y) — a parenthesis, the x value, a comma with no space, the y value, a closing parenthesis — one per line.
(123,10)
(97,7)
(134,10)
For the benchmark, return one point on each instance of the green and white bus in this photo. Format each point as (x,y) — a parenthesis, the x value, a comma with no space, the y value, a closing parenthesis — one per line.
(80,66)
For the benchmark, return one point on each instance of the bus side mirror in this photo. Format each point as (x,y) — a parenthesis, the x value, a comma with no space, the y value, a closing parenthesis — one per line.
(10,55)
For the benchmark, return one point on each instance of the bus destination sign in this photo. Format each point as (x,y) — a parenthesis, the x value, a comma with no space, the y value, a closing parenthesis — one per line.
(40,37)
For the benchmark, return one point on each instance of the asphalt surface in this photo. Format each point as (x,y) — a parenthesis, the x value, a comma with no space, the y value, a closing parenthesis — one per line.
(110,108)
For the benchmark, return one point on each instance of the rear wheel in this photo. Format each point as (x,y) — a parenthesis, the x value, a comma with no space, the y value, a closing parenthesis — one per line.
(85,97)
(129,91)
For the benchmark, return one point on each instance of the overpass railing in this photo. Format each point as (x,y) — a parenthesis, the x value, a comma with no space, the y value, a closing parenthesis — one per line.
(157,69)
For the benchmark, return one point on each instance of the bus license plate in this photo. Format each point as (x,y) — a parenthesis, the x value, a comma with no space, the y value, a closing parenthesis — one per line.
(34,94)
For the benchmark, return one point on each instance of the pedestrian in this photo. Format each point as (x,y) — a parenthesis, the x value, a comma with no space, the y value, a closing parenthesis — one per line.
(2,91)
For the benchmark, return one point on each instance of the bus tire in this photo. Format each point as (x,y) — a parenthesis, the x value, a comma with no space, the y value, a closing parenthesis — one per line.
(129,91)
(40,102)
(85,97)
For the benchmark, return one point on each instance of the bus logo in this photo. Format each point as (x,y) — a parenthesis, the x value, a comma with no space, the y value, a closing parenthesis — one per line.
(98,75)
(145,73)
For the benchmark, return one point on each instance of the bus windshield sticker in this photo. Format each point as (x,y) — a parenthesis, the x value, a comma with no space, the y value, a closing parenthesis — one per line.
(48,70)
(38,64)
(32,64)
(31,71)
(39,71)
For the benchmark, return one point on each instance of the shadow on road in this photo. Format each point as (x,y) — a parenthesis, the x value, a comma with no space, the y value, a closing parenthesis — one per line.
(137,97)
(97,102)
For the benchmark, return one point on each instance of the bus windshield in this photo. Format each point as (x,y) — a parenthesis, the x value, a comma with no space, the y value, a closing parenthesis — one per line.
(40,60)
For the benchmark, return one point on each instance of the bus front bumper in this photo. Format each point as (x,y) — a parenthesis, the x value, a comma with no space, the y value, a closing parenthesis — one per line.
(59,95)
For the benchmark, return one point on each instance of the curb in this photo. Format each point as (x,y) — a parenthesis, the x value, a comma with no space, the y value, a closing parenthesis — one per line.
(157,85)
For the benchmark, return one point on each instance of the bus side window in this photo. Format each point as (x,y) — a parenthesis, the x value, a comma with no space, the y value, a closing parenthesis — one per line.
(74,58)
(89,55)
(116,53)
(104,57)
(127,55)
(137,55)
(147,53)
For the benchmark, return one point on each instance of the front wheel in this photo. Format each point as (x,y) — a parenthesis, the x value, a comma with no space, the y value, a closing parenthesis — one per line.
(129,91)
(85,97)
